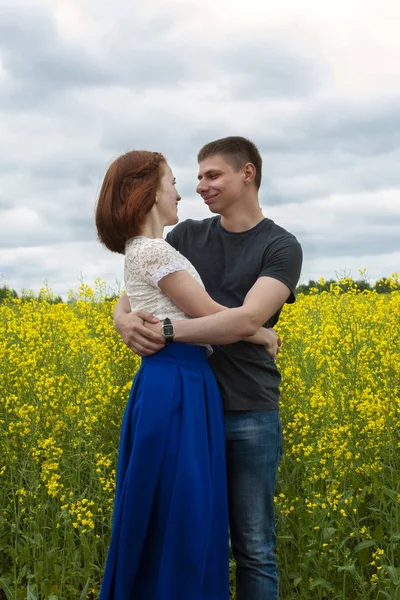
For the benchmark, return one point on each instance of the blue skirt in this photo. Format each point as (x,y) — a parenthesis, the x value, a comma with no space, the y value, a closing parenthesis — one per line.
(170,527)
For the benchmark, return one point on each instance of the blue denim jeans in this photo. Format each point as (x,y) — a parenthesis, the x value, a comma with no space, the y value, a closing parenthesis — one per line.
(253,451)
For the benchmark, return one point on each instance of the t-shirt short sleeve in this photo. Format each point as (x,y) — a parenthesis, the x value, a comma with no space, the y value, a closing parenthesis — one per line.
(282,260)
(173,236)
(157,259)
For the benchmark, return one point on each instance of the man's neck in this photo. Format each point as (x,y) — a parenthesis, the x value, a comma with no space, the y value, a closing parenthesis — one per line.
(238,221)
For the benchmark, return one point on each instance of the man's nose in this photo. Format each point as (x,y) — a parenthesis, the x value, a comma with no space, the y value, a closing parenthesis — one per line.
(200,187)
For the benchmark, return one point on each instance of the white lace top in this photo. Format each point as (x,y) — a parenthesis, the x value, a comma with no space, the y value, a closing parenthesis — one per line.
(148,260)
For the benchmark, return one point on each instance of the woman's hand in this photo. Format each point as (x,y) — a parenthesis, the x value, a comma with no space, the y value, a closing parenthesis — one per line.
(273,343)
(268,339)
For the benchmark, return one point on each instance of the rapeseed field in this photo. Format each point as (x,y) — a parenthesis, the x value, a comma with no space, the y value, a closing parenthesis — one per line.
(65,376)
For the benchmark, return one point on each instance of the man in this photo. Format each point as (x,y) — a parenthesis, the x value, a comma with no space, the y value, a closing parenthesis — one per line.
(244,259)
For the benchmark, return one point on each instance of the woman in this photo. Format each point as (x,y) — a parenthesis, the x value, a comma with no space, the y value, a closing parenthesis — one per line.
(170,527)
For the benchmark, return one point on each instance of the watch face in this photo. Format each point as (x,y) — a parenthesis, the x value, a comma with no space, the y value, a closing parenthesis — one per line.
(168,330)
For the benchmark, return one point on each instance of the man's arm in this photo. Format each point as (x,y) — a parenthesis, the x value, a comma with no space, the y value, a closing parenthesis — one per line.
(278,278)
(276,284)
(194,300)
(264,299)
(135,327)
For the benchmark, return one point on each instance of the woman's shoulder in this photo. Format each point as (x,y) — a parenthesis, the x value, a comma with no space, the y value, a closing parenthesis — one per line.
(140,241)
(144,248)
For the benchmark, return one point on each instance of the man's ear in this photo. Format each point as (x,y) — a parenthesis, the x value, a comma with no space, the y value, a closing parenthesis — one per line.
(249,173)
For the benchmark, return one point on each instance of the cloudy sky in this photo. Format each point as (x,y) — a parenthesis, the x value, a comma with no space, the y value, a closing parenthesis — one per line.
(316,84)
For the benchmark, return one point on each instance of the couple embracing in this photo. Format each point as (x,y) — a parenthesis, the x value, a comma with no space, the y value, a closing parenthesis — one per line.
(201,436)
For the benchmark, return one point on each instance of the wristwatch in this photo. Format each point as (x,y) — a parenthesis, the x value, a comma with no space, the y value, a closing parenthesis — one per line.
(168,331)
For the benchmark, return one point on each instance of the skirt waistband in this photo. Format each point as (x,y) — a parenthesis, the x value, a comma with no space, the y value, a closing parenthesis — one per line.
(180,353)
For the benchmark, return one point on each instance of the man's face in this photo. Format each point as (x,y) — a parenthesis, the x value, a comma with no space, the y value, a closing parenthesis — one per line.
(219,185)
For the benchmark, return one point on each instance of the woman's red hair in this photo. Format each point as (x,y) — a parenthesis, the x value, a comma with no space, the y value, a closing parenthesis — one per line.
(126,197)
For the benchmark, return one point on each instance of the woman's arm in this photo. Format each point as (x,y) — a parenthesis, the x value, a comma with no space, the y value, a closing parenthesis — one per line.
(263,300)
(141,332)
(189,294)
(194,300)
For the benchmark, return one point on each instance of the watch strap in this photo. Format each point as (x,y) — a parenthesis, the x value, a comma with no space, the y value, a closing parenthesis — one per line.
(168,331)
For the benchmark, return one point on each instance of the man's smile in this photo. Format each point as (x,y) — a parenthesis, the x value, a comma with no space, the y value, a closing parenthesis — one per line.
(208,198)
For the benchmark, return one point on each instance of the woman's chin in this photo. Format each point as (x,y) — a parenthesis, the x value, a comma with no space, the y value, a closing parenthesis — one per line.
(173,221)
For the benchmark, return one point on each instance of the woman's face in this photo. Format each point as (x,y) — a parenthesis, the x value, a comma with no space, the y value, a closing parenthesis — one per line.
(167,197)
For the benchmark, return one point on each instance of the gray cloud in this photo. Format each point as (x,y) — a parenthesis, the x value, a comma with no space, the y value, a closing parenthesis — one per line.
(334,147)
(267,68)
(362,128)
(68,107)
(380,241)
(387,219)
(38,62)
(41,63)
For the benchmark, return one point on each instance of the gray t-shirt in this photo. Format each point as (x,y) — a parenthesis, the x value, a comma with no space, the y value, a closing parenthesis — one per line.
(229,265)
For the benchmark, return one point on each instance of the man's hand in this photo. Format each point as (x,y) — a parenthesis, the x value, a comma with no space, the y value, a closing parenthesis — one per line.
(273,343)
(142,341)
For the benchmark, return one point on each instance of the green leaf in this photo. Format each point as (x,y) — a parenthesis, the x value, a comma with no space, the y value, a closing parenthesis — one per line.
(12,552)
(21,574)
(85,590)
(57,570)
(394,574)
(327,533)
(297,581)
(30,595)
(364,544)
(321,583)
(378,533)
(6,589)
(38,539)
(383,596)
(364,557)
(46,587)
(348,568)
(391,493)
(39,568)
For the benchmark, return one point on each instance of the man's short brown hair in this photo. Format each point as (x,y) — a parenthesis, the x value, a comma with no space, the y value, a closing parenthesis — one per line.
(237,151)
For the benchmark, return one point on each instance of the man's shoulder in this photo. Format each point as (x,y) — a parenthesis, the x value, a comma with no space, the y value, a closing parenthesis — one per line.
(277,233)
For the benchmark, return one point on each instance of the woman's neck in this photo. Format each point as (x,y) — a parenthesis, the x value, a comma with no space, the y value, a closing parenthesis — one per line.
(152,228)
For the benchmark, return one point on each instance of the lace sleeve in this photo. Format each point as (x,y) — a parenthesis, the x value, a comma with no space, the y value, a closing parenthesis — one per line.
(156,260)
